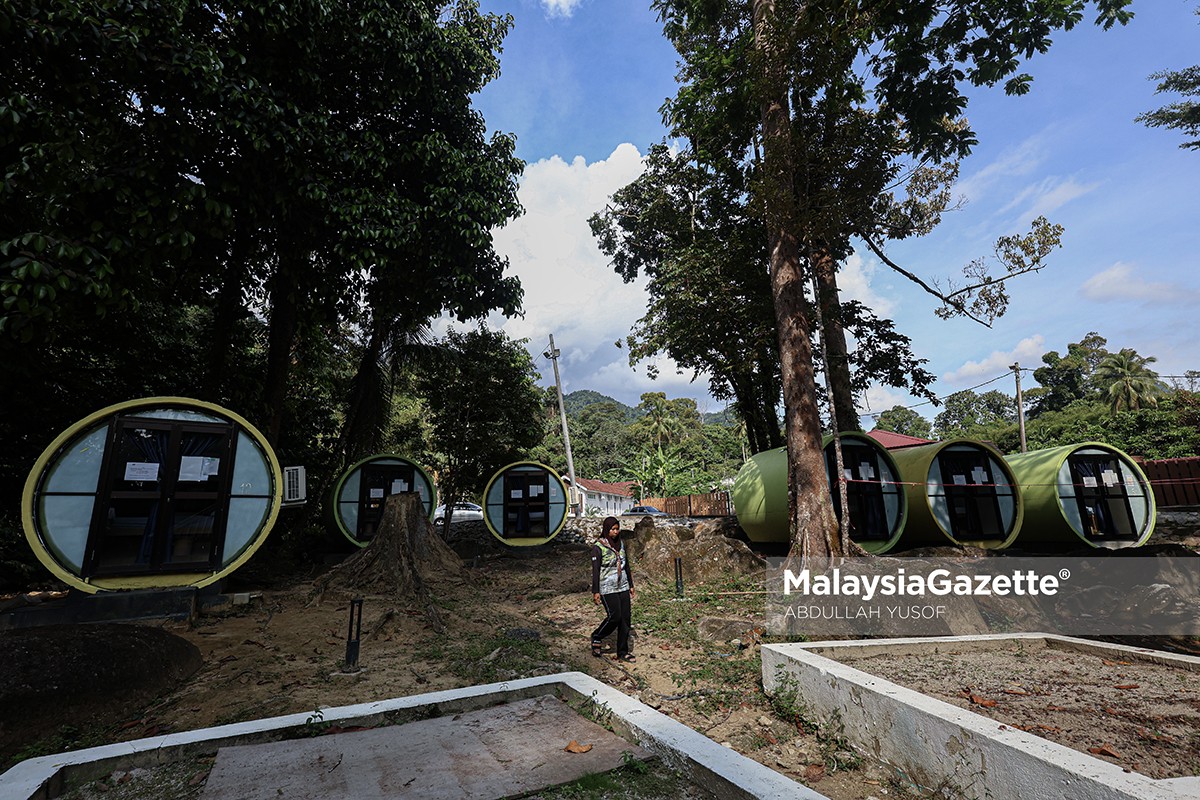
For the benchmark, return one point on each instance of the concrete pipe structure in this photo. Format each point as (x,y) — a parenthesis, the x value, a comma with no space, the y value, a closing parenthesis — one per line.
(878,504)
(153,493)
(960,492)
(525,504)
(362,490)
(1090,492)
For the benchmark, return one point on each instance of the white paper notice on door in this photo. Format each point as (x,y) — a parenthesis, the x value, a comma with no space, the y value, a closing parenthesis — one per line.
(516,494)
(535,491)
(198,468)
(1109,477)
(399,486)
(960,480)
(141,471)
(1089,481)
(866,471)
(979,475)
(377,494)
(849,474)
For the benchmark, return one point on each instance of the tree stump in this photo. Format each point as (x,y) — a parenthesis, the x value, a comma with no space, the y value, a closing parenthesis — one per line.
(404,561)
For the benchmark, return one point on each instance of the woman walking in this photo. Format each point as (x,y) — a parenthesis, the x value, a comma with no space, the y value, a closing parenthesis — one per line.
(612,587)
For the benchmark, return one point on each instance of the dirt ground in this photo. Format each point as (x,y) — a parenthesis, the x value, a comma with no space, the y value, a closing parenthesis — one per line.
(512,615)
(1142,716)
(520,614)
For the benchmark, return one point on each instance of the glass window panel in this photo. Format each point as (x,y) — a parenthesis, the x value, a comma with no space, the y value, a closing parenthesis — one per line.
(184,414)
(251,475)
(189,537)
(246,518)
(78,468)
(66,520)
(127,538)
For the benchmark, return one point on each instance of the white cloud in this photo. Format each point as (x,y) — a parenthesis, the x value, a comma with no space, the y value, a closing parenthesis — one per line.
(1120,283)
(560,8)
(854,283)
(1029,349)
(1046,196)
(1016,161)
(617,379)
(570,289)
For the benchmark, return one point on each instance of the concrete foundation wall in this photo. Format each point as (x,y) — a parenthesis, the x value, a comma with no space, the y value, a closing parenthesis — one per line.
(954,752)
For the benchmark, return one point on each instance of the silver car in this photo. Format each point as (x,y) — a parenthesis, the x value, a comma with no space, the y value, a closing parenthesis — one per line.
(462,513)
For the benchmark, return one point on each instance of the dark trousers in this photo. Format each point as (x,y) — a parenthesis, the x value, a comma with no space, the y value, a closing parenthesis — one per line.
(617,607)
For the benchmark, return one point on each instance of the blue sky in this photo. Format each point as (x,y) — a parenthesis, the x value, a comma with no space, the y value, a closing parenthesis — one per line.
(581,85)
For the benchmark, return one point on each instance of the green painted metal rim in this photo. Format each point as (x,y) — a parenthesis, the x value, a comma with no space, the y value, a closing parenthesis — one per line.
(525,542)
(198,579)
(914,464)
(337,491)
(1027,461)
(879,547)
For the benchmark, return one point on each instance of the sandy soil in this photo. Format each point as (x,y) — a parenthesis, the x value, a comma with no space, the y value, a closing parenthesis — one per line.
(1140,715)
(518,614)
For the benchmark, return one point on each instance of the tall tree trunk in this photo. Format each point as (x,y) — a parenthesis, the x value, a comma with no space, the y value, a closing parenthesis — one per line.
(228,310)
(367,407)
(834,336)
(281,340)
(813,528)
(769,393)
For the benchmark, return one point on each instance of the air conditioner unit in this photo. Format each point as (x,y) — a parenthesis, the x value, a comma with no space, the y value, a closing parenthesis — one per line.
(295,487)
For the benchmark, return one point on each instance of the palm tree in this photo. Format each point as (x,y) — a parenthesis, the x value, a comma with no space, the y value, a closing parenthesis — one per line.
(1128,380)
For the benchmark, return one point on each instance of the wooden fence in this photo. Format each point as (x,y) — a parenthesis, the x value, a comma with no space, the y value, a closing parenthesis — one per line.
(1175,481)
(716,504)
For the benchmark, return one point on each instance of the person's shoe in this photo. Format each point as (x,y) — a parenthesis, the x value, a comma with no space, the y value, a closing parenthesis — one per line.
(627,658)
(596,649)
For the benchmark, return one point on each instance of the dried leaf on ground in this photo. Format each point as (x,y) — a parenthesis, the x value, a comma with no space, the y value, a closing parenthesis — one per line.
(814,773)
(576,747)
(983,701)
(1127,686)
(1104,750)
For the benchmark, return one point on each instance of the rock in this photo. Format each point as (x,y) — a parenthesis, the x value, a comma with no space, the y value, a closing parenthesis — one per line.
(764,721)
(722,629)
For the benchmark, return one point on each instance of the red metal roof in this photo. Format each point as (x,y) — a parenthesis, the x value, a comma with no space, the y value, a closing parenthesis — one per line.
(896,441)
(622,489)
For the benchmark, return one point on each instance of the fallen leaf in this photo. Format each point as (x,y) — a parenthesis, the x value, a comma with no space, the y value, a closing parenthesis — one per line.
(1056,708)
(1113,711)
(770,738)
(1048,728)
(1018,692)
(1104,750)
(576,747)
(198,778)
(1127,686)
(1154,737)
(983,701)
(1108,663)
(814,772)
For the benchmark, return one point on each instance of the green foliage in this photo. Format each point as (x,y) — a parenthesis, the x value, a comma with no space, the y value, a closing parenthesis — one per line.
(968,414)
(188,212)
(484,405)
(899,419)
(1066,379)
(1183,115)
(1128,381)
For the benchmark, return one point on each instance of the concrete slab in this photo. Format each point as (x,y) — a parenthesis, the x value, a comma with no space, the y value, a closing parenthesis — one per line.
(481,755)
(939,744)
(724,772)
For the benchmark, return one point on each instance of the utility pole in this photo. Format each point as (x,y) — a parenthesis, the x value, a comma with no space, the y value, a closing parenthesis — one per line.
(1016,368)
(552,354)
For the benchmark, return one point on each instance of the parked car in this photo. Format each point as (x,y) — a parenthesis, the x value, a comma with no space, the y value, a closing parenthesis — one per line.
(644,511)
(462,512)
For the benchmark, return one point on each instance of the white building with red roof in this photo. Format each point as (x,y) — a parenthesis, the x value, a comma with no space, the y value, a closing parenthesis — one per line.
(605,499)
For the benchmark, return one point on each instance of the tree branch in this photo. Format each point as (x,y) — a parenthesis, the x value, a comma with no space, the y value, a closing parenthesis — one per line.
(948,300)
